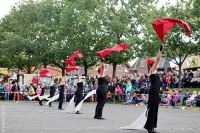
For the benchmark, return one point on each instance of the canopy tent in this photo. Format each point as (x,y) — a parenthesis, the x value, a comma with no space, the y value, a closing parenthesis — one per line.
(3,71)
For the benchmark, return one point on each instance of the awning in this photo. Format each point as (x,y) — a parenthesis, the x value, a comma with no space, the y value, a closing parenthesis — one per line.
(3,71)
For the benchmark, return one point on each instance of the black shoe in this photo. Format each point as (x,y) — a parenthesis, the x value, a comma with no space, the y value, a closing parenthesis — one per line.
(153,131)
(95,117)
(61,109)
(50,106)
(78,112)
(41,105)
(101,118)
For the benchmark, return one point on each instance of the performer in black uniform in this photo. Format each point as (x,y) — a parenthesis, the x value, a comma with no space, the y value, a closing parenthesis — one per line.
(42,93)
(79,91)
(52,91)
(153,102)
(61,94)
(101,93)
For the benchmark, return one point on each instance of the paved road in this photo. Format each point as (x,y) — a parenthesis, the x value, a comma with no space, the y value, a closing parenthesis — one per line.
(29,117)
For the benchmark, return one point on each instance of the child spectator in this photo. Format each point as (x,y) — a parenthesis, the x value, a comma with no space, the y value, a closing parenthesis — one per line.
(26,95)
(186,94)
(109,97)
(38,90)
(118,93)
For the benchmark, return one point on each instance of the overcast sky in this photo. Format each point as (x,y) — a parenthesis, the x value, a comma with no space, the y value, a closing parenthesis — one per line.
(5,6)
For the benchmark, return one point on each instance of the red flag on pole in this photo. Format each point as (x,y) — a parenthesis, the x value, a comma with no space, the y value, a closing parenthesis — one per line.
(43,72)
(35,80)
(70,61)
(161,26)
(71,68)
(107,51)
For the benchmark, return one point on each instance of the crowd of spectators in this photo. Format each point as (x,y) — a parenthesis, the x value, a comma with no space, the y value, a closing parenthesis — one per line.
(129,89)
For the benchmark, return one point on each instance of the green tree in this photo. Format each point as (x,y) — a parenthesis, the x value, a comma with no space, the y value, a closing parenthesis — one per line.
(121,22)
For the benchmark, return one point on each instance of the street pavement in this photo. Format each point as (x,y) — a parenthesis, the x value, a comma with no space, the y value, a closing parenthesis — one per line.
(29,117)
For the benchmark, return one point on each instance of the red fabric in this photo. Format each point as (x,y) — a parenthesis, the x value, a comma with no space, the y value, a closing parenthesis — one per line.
(43,72)
(70,61)
(71,68)
(35,80)
(107,51)
(161,26)
(149,61)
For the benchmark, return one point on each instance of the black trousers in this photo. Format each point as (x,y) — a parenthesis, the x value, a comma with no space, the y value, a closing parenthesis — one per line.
(152,117)
(101,99)
(60,101)
(61,95)
(40,102)
(51,95)
(79,97)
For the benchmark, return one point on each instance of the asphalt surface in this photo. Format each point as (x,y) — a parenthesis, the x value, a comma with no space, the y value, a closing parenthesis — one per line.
(29,117)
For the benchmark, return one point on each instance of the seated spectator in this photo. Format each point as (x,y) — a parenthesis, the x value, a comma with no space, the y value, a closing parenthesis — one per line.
(167,100)
(197,100)
(134,99)
(109,97)
(190,100)
(169,90)
(143,99)
(186,94)
(175,98)
(26,95)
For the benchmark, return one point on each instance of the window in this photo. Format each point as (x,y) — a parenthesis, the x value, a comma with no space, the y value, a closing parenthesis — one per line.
(106,67)
(142,62)
(119,68)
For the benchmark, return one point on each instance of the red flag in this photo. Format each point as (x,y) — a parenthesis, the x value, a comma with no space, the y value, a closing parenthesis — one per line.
(107,51)
(71,68)
(161,26)
(70,61)
(43,72)
(35,80)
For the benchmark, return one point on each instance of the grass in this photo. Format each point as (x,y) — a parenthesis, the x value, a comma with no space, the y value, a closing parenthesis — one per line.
(191,90)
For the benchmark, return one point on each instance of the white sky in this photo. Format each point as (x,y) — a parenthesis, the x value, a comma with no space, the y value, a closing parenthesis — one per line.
(5,7)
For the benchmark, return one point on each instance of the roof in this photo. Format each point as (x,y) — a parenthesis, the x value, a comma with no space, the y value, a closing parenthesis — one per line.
(164,63)
(134,66)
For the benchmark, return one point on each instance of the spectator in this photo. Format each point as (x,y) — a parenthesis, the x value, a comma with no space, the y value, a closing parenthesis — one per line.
(176,82)
(118,93)
(16,89)
(38,90)
(168,80)
(26,95)
(128,99)
(134,99)
(111,88)
(190,100)
(169,90)
(186,94)
(68,91)
(86,90)
(6,88)
(191,74)
(109,97)
(21,92)
(197,100)
(31,91)
(128,87)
